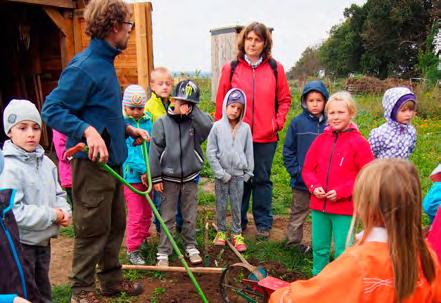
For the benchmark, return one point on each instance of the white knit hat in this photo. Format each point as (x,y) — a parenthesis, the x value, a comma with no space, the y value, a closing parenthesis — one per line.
(20,110)
(134,95)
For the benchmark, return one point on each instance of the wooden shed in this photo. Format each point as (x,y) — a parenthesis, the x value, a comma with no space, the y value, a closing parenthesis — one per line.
(40,37)
(223,50)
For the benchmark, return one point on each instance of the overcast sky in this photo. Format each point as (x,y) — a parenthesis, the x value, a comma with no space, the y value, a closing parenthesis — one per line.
(181,28)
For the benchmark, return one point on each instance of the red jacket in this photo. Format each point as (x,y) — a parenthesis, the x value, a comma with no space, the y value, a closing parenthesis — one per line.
(259,86)
(332,162)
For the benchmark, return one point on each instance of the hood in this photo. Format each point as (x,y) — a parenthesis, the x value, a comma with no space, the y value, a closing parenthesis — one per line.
(12,150)
(317,86)
(224,106)
(391,97)
(147,116)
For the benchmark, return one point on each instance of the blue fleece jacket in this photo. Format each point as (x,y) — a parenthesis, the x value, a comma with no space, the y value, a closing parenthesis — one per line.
(89,93)
(302,130)
(135,165)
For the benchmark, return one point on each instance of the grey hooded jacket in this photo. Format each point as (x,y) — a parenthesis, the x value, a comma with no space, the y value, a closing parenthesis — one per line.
(230,152)
(38,193)
(175,149)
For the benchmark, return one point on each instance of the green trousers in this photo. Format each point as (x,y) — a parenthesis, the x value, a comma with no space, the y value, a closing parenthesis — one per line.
(324,227)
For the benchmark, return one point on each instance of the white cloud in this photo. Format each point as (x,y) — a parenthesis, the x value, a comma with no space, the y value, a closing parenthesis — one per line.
(181,29)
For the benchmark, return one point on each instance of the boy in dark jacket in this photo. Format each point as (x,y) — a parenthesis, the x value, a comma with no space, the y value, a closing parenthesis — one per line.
(175,160)
(301,132)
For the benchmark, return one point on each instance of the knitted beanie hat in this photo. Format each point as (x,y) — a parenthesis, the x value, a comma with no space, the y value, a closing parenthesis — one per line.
(20,110)
(134,96)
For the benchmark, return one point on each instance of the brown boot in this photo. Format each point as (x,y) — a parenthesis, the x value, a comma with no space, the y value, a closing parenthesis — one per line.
(85,297)
(130,288)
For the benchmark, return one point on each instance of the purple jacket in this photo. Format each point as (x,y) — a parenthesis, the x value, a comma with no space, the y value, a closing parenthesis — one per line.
(393,139)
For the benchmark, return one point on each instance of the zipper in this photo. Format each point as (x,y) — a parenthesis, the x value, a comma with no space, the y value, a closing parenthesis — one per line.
(140,146)
(252,105)
(329,169)
(180,151)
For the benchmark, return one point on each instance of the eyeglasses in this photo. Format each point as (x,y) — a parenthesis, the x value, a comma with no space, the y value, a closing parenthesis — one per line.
(131,24)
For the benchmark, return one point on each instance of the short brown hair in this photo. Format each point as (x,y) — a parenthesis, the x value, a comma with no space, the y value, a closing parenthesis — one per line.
(102,15)
(408,105)
(262,31)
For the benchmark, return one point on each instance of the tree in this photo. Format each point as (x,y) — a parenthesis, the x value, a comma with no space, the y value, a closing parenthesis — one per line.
(392,33)
(308,65)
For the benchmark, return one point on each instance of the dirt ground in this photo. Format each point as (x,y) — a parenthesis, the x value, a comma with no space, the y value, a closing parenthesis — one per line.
(177,287)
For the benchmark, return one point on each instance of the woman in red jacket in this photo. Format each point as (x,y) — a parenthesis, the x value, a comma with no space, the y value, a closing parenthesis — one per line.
(268,100)
(331,166)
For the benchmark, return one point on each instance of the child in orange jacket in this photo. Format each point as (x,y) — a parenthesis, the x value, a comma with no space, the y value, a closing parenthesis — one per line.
(391,261)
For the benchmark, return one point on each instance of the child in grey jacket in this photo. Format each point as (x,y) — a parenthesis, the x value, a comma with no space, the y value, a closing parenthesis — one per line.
(230,154)
(175,162)
(40,206)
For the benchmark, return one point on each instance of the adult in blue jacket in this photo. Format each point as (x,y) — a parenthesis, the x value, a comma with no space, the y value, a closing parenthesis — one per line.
(302,130)
(86,106)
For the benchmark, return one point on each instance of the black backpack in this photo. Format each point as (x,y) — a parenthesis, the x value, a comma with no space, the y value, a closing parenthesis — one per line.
(273,65)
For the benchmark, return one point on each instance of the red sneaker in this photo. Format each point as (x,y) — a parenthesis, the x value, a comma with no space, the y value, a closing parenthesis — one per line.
(239,243)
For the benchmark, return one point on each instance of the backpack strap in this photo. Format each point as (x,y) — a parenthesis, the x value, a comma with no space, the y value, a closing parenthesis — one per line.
(233,65)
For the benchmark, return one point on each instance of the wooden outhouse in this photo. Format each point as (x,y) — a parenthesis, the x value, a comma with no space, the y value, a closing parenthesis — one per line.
(40,37)
(223,50)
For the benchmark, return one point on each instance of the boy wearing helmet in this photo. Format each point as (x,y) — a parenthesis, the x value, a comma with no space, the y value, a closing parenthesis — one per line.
(175,161)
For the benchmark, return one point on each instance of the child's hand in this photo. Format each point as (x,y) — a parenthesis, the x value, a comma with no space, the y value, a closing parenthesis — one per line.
(185,109)
(159,187)
(144,180)
(60,215)
(67,220)
(331,195)
(319,192)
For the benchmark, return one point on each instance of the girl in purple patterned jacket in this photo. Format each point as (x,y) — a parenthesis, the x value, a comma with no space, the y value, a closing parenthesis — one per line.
(397,137)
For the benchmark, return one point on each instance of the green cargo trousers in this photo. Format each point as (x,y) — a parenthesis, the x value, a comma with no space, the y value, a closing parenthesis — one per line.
(99,223)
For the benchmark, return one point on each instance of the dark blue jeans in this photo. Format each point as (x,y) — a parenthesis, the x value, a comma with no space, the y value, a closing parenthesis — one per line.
(261,187)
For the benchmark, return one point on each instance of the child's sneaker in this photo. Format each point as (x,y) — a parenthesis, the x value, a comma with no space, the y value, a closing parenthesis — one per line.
(220,238)
(162,260)
(135,258)
(193,255)
(239,243)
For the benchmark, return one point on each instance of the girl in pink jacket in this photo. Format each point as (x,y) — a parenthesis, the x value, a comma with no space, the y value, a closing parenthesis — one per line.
(331,165)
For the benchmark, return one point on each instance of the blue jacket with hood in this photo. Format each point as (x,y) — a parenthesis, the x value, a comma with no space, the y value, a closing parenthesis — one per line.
(302,130)
(135,165)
